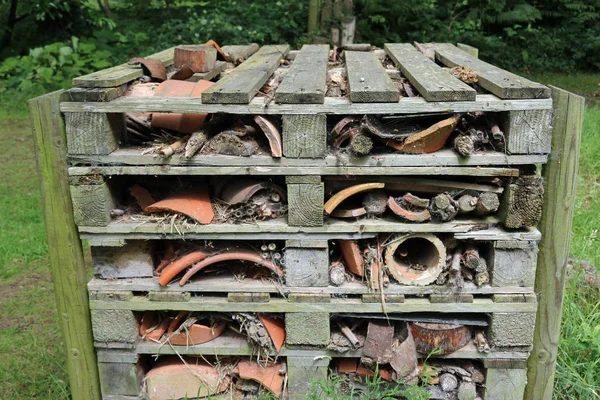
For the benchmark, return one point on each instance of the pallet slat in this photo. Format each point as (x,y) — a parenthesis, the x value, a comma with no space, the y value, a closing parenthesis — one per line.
(432,82)
(120,74)
(305,82)
(331,105)
(503,84)
(240,85)
(367,79)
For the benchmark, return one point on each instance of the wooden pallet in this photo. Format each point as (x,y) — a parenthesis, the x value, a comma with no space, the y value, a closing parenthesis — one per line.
(94,112)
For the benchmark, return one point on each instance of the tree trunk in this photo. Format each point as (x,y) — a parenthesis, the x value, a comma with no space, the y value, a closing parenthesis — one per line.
(10,25)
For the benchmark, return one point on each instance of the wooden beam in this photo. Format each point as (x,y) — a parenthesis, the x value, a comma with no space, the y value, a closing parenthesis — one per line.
(560,175)
(332,105)
(503,84)
(432,82)
(64,247)
(367,79)
(240,85)
(305,82)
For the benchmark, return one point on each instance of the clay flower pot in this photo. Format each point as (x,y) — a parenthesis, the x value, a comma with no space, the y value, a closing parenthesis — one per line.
(185,123)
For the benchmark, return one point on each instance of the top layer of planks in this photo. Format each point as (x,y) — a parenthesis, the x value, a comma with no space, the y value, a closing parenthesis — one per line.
(305,81)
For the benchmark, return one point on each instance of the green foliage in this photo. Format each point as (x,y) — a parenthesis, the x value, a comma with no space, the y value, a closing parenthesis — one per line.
(375,388)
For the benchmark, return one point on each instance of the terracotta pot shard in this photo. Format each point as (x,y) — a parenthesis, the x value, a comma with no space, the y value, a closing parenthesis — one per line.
(352,256)
(220,52)
(195,205)
(182,73)
(272,134)
(231,256)
(342,195)
(143,196)
(269,376)
(172,379)
(429,140)
(241,190)
(179,265)
(347,365)
(185,123)
(150,328)
(275,328)
(424,249)
(414,216)
(349,213)
(197,334)
(153,68)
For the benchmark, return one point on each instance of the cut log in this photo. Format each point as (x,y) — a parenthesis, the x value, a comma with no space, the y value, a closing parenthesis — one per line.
(337,273)
(446,338)
(487,203)
(443,207)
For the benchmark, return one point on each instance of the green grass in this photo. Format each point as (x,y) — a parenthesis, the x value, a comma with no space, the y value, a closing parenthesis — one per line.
(31,351)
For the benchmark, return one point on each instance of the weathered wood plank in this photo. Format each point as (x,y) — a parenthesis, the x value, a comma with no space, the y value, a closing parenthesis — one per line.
(92,203)
(220,304)
(306,266)
(304,136)
(305,82)
(236,53)
(432,82)
(229,284)
(64,247)
(231,344)
(368,82)
(119,379)
(93,94)
(505,384)
(560,176)
(93,133)
(473,51)
(305,204)
(331,105)
(527,132)
(120,74)
(503,84)
(240,85)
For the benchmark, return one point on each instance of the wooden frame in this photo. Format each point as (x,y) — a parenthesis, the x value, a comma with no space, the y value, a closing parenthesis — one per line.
(66,255)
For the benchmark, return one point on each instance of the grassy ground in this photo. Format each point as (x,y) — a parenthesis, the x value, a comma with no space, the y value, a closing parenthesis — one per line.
(31,353)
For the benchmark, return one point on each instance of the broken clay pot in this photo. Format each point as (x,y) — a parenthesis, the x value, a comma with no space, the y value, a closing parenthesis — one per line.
(195,205)
(415,259)
(241,190)
(268,376)
(272,134)
(172,379)
(342,195)
(428,141)
(153,68)
(275,328)
(185,123)
(196,334)
(352,256)
(413,216)
(231,256)
(179,265)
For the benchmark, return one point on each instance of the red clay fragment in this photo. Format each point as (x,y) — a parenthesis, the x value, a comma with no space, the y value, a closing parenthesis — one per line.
(194,205)
(268,376)
(429,140)
(384,374)
(352,256)
(172,379)
(342,195)
(340,126)
(220,52)
(142,195)
(154,68)
(349,213)
(276,330)
(414,216)
(272,134)
(167,258)
(185,123)
(182,74)
(150,328)
(347,365)
(197,334)
(141,90)
(179,265)
(241,190)
(231,256)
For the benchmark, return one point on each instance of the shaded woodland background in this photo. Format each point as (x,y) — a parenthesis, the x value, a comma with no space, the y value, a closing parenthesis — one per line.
(43,44)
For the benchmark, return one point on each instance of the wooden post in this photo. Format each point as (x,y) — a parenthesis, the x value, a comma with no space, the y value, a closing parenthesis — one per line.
(64,246)
(313,16)
(560,175)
